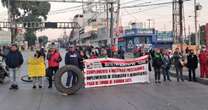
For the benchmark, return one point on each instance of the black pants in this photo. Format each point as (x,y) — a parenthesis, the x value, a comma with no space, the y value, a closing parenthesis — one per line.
(157,74)
(192,71)
(71,79)
(179,73)
(52,71)
(166,74)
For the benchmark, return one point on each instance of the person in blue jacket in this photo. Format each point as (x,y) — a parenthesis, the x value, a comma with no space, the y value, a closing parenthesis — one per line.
(14,60)
(72,58)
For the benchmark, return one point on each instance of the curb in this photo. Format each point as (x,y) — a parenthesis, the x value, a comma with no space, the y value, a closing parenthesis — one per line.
(198,80)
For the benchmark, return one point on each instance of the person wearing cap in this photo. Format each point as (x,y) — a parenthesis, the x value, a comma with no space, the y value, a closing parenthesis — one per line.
(72,57)
(14,60)
(54,59)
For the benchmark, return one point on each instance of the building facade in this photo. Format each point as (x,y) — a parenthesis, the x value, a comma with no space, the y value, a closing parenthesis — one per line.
(135,37)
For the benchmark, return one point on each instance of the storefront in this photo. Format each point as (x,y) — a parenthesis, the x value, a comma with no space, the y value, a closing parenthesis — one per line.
(133,38)
(163,40)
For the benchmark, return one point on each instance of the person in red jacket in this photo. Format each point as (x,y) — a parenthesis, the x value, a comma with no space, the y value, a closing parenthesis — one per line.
(203,59)
(54,58)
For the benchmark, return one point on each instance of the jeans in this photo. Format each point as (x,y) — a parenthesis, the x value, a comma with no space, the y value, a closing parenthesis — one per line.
(71,79)
(166,74)
(37,80)
(192,71)
(179,73)
(13,75)
(157,74)
(52,71)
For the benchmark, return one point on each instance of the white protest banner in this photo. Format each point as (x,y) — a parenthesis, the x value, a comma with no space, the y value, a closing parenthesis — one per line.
(112,71)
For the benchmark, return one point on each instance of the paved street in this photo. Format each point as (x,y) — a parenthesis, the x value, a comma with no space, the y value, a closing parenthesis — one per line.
(165,96)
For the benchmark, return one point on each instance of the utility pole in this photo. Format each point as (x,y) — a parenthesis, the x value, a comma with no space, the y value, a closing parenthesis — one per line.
(181,23)
(149,22)
(118,14)
(195,23)
(107,18)
(11,19)
(111,24)
(189,35)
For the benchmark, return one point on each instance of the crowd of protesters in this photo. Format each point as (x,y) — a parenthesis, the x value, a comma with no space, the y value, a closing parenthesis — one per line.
(160,59)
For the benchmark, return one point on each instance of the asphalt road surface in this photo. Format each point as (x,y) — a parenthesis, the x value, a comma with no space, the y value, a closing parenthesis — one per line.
(166,96)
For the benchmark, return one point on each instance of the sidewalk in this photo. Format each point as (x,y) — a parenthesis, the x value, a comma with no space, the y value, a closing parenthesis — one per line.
(185,74)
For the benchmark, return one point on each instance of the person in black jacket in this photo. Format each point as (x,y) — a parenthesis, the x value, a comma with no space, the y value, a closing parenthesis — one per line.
(157,65)
(177,60)
(72,58)
(14,60)
(192,64)
(121,53)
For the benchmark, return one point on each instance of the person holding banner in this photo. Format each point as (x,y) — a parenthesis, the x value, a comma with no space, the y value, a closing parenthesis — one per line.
(121,53)
(157,64)
(36,69)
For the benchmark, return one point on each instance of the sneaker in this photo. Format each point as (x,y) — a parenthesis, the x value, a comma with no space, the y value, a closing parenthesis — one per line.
(12,87)
(159,82)
(156,82)
(34,87)
(16,87)
(49,86)
(65,94)
(40,87)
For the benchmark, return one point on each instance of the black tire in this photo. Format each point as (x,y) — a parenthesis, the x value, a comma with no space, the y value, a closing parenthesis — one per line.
(2,75)
(26,78)
(58,80)
(1,81)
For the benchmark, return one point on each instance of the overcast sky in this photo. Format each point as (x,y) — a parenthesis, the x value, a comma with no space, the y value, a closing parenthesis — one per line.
(162,15)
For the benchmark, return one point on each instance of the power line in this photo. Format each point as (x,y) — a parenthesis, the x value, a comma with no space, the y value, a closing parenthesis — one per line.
(148,9)
(153,4)
(69,8)
(76,8)
(146,5)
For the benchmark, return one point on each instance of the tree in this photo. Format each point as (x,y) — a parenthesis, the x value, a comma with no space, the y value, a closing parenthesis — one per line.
(28,12)
(30,37)
(202,35)
(43,40)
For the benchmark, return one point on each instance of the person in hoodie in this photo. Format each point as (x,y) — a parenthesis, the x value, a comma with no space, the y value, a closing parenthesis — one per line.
(14,60)
(72,57)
